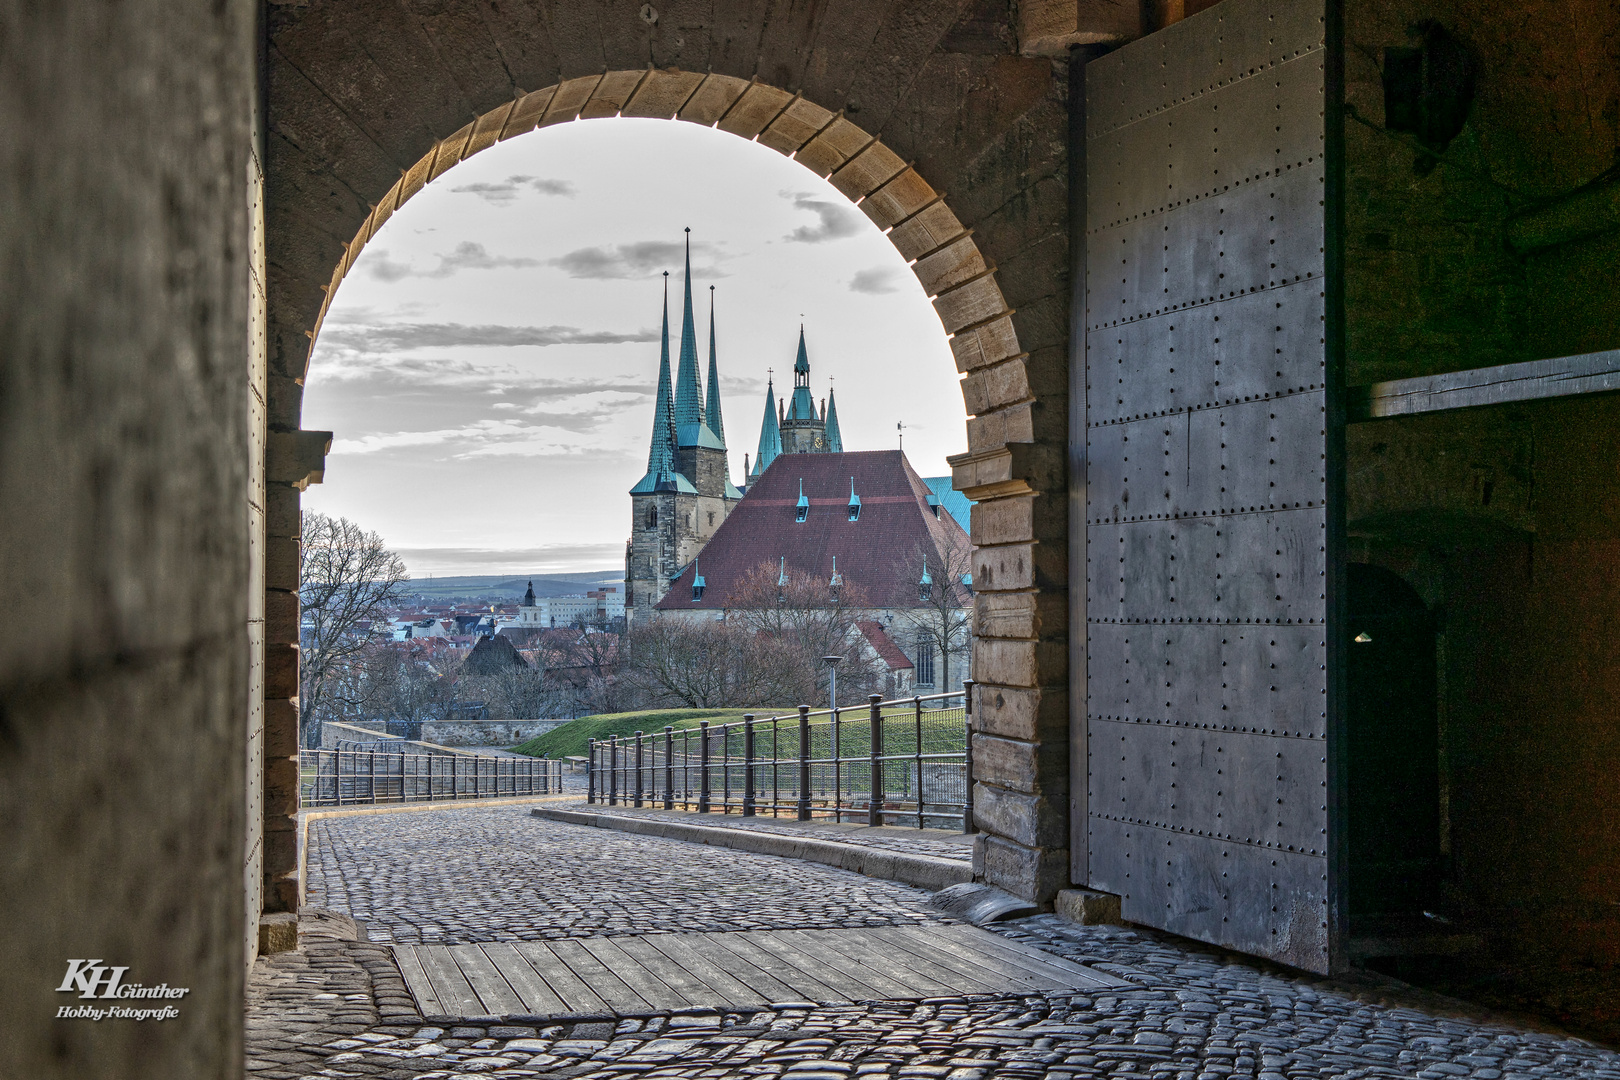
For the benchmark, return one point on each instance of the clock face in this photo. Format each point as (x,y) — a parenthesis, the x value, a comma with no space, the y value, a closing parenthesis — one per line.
(820,442)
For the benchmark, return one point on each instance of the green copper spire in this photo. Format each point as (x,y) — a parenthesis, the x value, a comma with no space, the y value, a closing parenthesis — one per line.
(770,435)
(835,440)
(711,409)
(688,394)
(661,452)
(800,407)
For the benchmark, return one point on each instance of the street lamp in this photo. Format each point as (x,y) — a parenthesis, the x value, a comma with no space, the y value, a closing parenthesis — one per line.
(832,714)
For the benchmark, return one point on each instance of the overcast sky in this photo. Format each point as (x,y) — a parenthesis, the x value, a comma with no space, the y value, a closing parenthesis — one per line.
(488,366)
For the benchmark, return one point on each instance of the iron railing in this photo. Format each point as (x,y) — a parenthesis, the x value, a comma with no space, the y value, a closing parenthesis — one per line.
(343,778)
(913,753)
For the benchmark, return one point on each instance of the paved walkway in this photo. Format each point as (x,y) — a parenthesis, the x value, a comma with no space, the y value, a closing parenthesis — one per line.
(339,1008)
(939,843)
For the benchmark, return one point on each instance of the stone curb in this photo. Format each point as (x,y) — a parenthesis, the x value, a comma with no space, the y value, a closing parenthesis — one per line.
(921,871)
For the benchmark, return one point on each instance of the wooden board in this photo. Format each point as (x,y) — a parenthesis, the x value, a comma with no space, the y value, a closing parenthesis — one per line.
(729,972)
(1565,376)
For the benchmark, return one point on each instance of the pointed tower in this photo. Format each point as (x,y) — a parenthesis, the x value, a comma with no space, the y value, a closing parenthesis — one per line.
(803,431)
(661,451)
(770,435)
(711,408)
(835,438)
(688,394)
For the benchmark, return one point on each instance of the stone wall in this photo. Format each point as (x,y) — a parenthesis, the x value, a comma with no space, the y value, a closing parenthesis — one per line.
(485,732)
(1506,520)
(124,539)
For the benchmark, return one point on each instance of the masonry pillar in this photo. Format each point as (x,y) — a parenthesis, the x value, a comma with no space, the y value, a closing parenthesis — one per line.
(294,460)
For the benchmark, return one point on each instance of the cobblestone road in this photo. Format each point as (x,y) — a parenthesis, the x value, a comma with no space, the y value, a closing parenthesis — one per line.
(497,874)
(338,1008)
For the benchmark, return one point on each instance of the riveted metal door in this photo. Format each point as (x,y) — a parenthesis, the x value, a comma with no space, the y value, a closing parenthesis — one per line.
(1206,489)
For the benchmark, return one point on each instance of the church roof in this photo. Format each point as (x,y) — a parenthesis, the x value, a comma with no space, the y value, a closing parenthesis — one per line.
(873,553)
(883,645)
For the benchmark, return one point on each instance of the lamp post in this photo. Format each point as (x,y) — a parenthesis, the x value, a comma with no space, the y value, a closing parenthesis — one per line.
(832,720)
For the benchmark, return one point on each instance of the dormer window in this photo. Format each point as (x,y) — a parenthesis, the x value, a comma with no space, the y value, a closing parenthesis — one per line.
(836,585)
(967,583)
(697,582)
(854,502)
(781,582)
(933,503)
(802,510)
(925,585)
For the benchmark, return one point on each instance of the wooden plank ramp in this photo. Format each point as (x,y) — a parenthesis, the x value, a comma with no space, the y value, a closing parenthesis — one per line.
(606,977)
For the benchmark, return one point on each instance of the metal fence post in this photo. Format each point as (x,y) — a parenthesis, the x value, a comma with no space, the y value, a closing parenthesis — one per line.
(703,766)
(874,807)
(613,770)
(918,716)
(669,767)
(804,763)
(968,825)
(638,768)
(748,765)
(590,771)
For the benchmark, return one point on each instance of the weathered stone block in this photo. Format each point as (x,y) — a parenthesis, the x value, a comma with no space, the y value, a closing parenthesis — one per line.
(1030,714)
(278,932)
(1034,874)
(898,199)
(796,125)
(966,305)
(1012,423)
(1005,663)
(926,231)
(1028,767)
(866,171)
(280,616)
(281,567)
(280,671)
(1031,820)
(984,345)
(757,107)
(951,265)
(610,94)
(1088,908)
(1004,521)
(995,387)
(1004,615)
(280,728)
(1004,567)
(713,99)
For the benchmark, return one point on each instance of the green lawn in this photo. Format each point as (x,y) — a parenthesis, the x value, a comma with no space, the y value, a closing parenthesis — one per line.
(941,733)
(571,739)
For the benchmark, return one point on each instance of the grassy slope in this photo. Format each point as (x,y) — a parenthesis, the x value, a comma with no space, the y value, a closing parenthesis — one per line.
(571,738)
(940,733)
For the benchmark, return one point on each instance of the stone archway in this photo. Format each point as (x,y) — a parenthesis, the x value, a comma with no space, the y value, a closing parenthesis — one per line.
(369,102)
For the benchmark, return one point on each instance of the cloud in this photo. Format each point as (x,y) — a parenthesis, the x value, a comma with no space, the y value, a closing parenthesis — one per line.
(875,281)
(466,256)
(637,260)
(496,437)
(532,560)
(834,221)
(504,192)
(400,337)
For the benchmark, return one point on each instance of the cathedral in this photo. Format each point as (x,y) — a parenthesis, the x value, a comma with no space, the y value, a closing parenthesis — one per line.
(687,491)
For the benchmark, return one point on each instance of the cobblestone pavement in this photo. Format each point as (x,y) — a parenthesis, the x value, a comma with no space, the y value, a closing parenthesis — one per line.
(338,1008)
(939,843)
(497,874)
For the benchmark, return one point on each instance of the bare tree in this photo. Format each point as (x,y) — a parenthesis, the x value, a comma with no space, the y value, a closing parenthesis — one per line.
(808,618)
(347,579)
(701,664)
(943,618)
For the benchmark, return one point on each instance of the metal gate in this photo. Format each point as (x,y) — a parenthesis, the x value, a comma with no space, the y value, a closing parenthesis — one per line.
(1206,795)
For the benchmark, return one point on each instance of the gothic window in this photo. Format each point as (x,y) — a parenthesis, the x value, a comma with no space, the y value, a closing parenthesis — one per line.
(924,662)
(652,517)
(711,519)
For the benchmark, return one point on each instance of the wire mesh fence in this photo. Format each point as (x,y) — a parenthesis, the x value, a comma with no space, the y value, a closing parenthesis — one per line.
(342,777)
(902,762)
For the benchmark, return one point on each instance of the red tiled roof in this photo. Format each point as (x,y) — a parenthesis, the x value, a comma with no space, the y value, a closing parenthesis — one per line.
(873,553)
(884,645)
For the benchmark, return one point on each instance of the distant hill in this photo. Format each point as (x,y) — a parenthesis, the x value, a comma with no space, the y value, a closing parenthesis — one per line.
(507,587)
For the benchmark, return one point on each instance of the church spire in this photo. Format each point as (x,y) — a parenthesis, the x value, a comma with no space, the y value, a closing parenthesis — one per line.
(800,406)
(770,434)
(661,452)
(688,394)
(711,409)
(835,439)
